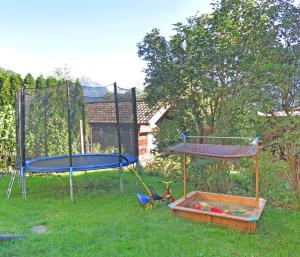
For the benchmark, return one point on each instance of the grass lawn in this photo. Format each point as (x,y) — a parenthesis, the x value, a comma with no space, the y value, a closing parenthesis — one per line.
(104,222)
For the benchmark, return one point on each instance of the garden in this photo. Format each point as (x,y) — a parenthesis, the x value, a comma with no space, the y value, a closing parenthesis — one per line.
(235,73)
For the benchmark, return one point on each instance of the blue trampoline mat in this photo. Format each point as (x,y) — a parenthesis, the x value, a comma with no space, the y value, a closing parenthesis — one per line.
(79,162)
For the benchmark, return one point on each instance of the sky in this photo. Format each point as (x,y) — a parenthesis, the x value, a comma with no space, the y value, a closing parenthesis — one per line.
(93,38)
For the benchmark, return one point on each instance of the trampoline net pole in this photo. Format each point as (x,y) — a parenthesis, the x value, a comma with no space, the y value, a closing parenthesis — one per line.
(71,184)
(70,141)
(45,127)
(119,136)
(135,123)
(121,178)
(83,127)
(117,120)
(23,183)
(23,142)
(22,132)
(82,136)
(18,154)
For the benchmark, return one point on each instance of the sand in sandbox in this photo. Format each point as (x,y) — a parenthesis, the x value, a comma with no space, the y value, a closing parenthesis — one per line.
(230,207)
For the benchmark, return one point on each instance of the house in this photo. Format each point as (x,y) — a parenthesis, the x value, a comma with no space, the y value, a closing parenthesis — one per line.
(102,121)
(296,112)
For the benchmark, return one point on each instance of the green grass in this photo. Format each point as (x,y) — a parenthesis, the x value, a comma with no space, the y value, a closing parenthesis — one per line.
(104,222)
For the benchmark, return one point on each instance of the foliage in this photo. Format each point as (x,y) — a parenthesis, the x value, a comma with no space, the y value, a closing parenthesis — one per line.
(167,166)
(40,82)
(97,148)
(10,83)
(47,120)
(46,116)
(7,135)
(219,70)
(276,182)
(231,177)
(200,70)
(29,81)
(167,134)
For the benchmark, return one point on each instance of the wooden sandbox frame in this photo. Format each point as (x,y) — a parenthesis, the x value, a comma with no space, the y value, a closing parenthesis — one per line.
(223,152)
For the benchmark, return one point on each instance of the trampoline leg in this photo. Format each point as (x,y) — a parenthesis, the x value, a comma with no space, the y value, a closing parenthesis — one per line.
(19,178)
(121,178)
(71,184)
(23,183)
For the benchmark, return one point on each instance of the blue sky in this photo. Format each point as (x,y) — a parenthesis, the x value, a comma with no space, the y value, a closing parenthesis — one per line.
(93,38)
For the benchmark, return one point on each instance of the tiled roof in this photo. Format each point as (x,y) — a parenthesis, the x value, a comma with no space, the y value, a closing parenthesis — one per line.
(104,112)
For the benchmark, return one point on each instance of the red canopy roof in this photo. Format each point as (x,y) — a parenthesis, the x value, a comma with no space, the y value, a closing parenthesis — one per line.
(216,151)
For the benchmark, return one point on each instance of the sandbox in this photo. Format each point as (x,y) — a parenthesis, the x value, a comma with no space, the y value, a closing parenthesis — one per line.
(241,212)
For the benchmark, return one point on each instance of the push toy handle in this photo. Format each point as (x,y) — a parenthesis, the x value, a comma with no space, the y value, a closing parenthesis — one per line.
(166,183)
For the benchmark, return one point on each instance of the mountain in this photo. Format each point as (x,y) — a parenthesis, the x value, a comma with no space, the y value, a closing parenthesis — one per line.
(93,91)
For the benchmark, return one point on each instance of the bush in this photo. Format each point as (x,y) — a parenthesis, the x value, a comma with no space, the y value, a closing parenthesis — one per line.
(168,134)
(231,177)
(168,166)
(7,136)
(276,184)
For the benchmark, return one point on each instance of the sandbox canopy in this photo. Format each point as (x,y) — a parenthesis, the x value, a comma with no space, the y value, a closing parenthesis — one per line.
(216,151)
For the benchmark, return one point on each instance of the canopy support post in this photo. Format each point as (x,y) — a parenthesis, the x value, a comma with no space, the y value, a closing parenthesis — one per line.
(82,136)
(257,174)
(184,175)
(257,180)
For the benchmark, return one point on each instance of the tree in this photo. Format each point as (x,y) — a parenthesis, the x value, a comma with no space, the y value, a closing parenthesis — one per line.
(202,68)
(219,70)
(7,136)
(29,81)
(10,83)
(278,82)
(63,73)
(5,97)
(40,82)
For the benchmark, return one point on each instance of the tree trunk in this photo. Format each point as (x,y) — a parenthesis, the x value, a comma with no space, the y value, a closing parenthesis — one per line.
(293,163)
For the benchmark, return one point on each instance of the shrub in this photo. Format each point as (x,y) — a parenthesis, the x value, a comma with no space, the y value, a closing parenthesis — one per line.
(168,166)
(168,134)
(7,136)
(231,177)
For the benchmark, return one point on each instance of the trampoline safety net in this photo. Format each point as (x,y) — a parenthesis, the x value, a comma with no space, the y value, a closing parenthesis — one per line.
(71,119)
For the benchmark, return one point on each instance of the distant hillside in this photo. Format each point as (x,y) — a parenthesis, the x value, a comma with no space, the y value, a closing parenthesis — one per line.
(9,72)
(92,90)
(87,82)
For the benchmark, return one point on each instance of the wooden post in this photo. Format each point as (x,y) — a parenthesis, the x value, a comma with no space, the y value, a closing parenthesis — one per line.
(184,175)
(257,174)
(81,136)
(257,180)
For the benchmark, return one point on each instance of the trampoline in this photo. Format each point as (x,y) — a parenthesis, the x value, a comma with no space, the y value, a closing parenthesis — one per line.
(80,162)
(53,134)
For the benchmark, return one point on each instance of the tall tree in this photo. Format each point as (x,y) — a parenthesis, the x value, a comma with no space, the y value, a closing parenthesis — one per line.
(41,82)
(201,69)
(219,70)
(29,81)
